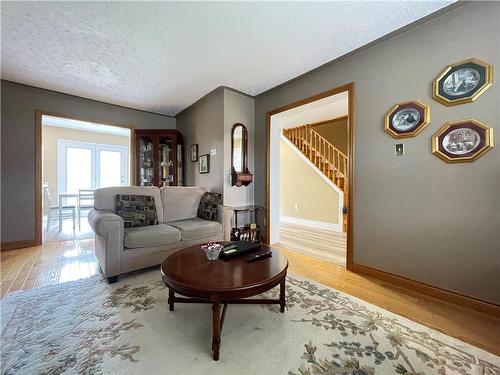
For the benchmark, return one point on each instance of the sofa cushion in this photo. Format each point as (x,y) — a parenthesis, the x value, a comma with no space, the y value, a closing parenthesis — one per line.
(196,228)
(152,235)
(104,198)
(136,210)
(180,202)
(209,204)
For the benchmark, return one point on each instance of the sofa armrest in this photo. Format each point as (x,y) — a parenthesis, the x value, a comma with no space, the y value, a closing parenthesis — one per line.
(225,216)
(102,222)
(109,230)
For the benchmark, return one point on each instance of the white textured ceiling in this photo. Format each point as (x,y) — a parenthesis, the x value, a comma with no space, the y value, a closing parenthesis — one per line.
(163,56)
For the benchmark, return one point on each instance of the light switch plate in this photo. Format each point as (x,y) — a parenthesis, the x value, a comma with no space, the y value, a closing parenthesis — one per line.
(213,152)
(399,149)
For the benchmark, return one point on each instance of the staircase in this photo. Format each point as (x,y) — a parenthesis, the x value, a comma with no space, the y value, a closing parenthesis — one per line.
(327,158)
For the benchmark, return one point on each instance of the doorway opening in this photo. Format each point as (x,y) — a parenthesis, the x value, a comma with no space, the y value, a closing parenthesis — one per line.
(77,157)
(309,186)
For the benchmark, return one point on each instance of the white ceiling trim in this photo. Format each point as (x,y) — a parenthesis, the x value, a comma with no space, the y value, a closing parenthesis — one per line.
(163,56)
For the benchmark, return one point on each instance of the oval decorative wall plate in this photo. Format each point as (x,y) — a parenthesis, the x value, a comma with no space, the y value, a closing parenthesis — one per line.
(407,119)
(462,82)
(462,141)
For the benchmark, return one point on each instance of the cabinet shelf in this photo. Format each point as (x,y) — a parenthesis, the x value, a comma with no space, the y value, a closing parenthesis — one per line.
(158,157)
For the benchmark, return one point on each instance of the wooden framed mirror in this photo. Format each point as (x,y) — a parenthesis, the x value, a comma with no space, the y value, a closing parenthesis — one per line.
(240,175)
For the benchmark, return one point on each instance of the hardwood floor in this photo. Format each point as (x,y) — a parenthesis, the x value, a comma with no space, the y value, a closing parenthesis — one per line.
(67,233)
(324,244)
(49,264)
(55,263)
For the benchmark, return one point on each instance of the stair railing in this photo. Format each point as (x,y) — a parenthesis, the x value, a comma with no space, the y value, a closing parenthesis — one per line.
(332,162)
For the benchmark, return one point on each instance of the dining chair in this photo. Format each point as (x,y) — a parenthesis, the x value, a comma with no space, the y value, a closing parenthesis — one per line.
(85,202)
(52,210)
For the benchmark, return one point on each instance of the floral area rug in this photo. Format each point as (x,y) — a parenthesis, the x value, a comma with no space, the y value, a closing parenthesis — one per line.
(90,327)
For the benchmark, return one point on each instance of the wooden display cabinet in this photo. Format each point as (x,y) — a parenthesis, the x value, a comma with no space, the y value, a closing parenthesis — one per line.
(158,157)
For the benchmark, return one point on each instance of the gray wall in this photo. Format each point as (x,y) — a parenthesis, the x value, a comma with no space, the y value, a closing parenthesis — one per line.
(19,103)
(415,215)
(203,123)
(208,123)
(238,108)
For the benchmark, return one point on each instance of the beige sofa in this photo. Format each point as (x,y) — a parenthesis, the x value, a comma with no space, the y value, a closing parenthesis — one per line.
(120,250)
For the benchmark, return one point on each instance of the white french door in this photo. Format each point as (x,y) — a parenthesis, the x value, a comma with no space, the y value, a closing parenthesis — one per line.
(83,165)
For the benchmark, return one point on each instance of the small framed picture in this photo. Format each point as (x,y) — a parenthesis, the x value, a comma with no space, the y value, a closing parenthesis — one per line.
(406,119)
(194,152)
(462,141)
(204,163)
(462,82)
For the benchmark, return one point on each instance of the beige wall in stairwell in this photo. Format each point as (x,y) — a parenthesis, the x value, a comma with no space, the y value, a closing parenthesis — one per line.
(301,185)
(50,136)
(335,132)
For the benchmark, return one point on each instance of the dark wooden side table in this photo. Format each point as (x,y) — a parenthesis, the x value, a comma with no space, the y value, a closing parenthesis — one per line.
(189,273)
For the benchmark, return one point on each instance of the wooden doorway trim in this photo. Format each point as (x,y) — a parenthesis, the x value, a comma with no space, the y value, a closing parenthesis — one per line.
(349,87)
(38,162)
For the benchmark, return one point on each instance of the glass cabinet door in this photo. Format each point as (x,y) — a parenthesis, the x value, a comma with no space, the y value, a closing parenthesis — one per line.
(146,161)
(166,160)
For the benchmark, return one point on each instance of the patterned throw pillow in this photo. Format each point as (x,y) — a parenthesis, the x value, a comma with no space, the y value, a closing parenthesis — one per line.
(136,210)
(208,206)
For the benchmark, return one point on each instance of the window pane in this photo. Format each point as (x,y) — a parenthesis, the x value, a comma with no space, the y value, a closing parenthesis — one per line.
(78,169)
(110,169)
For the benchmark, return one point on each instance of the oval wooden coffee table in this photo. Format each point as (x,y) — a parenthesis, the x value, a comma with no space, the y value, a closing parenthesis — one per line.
(189,273)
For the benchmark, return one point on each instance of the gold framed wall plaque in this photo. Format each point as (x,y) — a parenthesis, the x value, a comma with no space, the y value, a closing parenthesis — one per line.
(462,141)
(407,119)
(462,82)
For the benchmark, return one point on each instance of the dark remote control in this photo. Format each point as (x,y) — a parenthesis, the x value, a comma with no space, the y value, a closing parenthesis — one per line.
(259,256)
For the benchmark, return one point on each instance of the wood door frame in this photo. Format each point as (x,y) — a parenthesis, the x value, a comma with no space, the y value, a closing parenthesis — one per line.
(38,162)
(349,87)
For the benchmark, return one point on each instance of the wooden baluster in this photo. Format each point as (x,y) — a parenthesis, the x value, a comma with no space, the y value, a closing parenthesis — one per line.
(310,144)
(345,171)
(337,179)
(330,161)
(338,164)
(322,153)
(322,144)
(315,149)
(326,159)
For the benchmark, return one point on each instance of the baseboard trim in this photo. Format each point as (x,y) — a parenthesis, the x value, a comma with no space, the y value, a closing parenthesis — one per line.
(17,244)
(445,295)
(310,223)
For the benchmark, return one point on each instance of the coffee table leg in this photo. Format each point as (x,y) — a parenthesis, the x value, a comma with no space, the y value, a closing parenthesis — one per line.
(171,299)
(216,330)
(282,295)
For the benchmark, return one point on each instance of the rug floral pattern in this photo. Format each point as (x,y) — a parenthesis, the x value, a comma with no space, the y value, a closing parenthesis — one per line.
(368,339)
(90,327)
